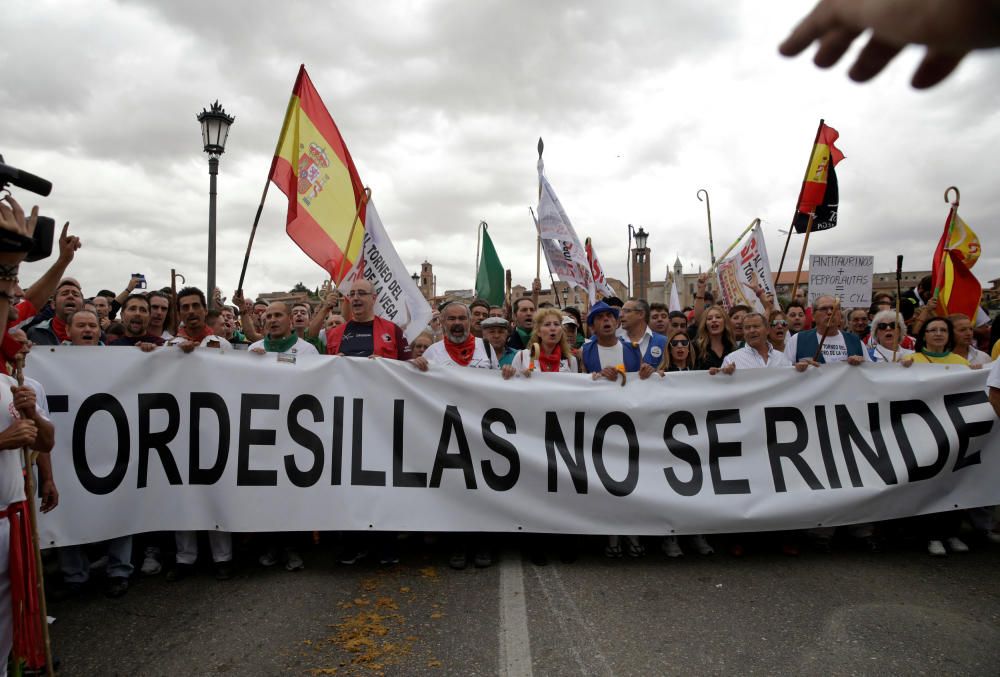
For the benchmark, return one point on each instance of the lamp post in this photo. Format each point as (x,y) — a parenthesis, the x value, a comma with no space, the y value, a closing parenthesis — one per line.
(215,125)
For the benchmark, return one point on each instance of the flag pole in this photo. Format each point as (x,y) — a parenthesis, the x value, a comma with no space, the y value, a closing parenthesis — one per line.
(802,256)
(30,491)
(350,238)
(947,245)
(479,234)
(538,241)
(791,228)
(253,231)
(899,292)
(735,243)
(507,308)
(708,209)
(829,319)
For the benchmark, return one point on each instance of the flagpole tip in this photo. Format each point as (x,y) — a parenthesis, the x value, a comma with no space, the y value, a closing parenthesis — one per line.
(541,146)
(957,195)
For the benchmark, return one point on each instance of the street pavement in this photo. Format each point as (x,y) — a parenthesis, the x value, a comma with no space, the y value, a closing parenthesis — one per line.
(899,612)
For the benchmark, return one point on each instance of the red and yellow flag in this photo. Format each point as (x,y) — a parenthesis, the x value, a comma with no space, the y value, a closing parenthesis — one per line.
(956,288)
(312,167)
(824,153)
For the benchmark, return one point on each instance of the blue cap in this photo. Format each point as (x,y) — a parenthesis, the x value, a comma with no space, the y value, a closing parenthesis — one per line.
(598,308)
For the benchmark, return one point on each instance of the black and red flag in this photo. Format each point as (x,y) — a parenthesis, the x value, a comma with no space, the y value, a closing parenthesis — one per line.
(820,195)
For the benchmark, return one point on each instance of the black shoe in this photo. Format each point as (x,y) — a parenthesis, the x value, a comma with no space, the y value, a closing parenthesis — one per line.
(65,591)
(115,587)
(483,558)
(459,561)
(223,571)
(180,572)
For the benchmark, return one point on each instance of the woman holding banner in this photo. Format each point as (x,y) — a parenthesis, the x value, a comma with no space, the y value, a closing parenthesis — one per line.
(679,355)
(884,345)
(935,341)
(548,348)
(778,329)
(714,339)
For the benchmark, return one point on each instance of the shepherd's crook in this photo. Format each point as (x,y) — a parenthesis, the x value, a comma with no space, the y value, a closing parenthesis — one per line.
(708,209)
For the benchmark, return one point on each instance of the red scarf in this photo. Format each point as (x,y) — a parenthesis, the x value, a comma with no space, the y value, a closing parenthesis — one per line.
(196,338)
(461,353)
(551,361)
(59,329)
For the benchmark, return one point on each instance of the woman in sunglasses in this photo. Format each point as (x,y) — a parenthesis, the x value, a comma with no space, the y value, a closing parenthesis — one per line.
(679,355)
(884,343)
(778,330)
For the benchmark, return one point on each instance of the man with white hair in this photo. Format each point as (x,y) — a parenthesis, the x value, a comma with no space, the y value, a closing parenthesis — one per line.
(458,347)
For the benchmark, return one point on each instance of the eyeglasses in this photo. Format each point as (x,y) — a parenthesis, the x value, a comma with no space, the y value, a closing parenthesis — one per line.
(359,294)
(779,323)
(882,326)
(680,343)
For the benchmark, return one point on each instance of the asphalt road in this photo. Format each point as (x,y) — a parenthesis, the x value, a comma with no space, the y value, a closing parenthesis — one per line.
(899,612)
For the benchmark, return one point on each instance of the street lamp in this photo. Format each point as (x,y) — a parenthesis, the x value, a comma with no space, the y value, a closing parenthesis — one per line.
(639,255)
(215,125)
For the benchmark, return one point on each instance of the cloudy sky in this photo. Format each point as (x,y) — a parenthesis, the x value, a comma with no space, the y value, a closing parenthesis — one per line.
(441,104)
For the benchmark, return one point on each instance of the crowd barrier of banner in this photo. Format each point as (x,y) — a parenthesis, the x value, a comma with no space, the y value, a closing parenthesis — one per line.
(243,442)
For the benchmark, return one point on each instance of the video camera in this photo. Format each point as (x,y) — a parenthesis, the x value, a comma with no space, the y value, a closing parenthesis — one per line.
(38,246)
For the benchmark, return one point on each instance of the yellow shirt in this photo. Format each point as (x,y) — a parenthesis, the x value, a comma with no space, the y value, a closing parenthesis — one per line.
(950,358)
(996,351)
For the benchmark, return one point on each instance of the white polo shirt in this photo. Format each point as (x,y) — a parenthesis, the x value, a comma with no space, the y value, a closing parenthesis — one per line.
(748,358)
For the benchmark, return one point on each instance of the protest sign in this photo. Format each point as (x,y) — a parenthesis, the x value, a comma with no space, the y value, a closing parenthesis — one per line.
(846,278)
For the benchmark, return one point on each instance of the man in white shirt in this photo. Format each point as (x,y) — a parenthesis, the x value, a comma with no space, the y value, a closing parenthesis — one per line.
(280,338)
(758,353)
(458,347)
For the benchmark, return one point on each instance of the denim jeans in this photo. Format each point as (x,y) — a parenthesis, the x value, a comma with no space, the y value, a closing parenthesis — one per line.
(75,565)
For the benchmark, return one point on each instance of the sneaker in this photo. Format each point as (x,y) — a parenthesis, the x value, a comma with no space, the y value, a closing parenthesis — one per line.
(269,558)
(671,548)
(115,587)
(936,548)
(150,565)
(483,558)
(388,559)
(956,545)
(458,561)
(180,572)
(991,537)
(352,556)
(223,571)
(702,546)
(293,562)
(99,564)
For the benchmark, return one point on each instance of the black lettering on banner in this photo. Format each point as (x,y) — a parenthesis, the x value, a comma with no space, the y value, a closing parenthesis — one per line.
(400,477)
(717,450)
(245,475)
(452,424)
(159,441)
(850,436)
(915,471)
(966,431)
(791,450)
(306,439)
(495,481)
(554,441)
(337,443)
(627,485)
(684,452)
(826,449)
(197,474)
(91,482)
(359,476)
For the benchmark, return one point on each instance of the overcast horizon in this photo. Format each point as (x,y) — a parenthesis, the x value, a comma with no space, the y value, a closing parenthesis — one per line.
(641,104)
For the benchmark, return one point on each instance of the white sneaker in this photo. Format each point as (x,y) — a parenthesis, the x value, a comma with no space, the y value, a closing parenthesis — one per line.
(936,548)
(992,537)
(671,548)
(150,566)
(702,546)
(956,545)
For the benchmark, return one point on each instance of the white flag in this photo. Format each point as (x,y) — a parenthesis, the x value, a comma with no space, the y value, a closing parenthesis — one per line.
(398,299)
(554,224)
(749,266)
(675,301)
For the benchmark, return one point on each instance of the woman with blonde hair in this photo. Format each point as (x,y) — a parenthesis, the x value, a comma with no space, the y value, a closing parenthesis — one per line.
(714,339)
(548,348)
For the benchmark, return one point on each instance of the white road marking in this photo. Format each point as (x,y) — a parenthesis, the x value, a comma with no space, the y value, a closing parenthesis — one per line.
(515,648)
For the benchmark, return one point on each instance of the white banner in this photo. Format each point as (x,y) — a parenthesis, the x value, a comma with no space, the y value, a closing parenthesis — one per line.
(749,266)
(243,442)
(398,299)
(846,278)
(553,224)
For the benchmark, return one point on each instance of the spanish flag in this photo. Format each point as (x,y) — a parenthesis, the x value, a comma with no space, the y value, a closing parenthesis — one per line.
(956,288)
(312,167)
(820,194)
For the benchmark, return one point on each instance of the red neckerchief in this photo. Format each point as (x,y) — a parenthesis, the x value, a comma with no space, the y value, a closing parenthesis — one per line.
(551,361)
(461,353)
(197,338)
(59,329)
